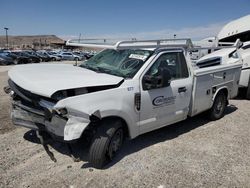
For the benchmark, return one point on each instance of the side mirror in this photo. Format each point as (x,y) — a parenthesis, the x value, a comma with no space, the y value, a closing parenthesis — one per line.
(156,81)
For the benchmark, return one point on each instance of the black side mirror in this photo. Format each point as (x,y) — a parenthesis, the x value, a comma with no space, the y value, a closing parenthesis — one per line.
(157,81)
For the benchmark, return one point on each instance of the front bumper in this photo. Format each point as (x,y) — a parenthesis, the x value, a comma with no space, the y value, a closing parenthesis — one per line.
(37,113)
(35,119)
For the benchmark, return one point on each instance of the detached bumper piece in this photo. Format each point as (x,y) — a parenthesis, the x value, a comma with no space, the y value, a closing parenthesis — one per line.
(45,146)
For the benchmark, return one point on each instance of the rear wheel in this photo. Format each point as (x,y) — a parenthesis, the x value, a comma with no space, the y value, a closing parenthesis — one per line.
(106,143)
(218,108)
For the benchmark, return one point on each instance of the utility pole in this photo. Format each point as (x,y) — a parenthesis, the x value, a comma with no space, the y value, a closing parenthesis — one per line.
(7,41)
(80,37)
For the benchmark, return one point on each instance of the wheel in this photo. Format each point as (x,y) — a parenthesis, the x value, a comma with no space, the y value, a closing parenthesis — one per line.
(248,90)
(106,143)
(218,108)
(76,59)
(53,59)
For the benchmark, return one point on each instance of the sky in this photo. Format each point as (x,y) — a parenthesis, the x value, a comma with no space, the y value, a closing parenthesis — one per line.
(144,19)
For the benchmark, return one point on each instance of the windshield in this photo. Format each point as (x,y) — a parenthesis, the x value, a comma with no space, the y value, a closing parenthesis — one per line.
(123,63)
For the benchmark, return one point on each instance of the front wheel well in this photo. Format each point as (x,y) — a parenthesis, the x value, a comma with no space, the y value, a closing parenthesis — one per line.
(123,122)
(95,123)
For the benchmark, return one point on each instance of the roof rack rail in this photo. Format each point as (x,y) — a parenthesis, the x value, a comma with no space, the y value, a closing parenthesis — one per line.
(185,43)
(237,44)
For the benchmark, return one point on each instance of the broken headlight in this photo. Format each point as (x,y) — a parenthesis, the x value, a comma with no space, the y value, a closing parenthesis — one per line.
(62,111)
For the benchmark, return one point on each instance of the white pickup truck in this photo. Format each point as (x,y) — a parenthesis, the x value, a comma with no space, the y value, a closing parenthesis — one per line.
(245,72)
(244,51)
(128,89)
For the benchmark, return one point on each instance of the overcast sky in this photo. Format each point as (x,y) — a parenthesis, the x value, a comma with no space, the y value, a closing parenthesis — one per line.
(119,18)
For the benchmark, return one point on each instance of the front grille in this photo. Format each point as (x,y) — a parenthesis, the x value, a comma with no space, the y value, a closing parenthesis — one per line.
(29,99)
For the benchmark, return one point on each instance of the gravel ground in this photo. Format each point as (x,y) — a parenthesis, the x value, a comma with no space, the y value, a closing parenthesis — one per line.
(193,153)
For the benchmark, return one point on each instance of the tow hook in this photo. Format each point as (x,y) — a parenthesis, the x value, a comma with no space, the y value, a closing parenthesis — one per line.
(45,145)
(7,89)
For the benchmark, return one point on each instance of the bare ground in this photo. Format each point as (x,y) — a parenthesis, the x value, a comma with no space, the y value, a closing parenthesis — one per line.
(193,153)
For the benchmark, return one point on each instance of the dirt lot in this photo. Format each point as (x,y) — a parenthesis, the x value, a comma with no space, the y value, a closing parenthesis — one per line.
(194,153)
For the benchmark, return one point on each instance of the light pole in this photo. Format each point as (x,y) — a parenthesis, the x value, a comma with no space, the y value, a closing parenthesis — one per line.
(7,42)
(80,37)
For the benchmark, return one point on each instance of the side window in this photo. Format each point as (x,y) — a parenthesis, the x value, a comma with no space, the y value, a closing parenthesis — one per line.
(174,62)
(66,53)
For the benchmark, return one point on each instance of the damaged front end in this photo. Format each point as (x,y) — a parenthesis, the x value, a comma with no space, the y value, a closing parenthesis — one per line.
(38,113)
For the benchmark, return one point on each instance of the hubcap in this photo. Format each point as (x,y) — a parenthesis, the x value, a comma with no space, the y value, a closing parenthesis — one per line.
(219,106)
(115,143)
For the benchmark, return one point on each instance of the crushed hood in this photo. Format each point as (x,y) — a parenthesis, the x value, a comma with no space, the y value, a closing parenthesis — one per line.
(46,79)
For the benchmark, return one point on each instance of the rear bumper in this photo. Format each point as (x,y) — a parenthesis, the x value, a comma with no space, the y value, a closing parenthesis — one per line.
(244,77)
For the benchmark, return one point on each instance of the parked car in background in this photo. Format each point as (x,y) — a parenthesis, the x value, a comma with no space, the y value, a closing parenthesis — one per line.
(81,54)
(43,56)
(34,58)
(88,55)
(69,56)
(20,54)
(53,56)
(17,59)
(4,60)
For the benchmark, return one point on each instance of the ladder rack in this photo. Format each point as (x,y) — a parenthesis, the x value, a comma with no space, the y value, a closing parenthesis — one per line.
(184,43)
(132,44)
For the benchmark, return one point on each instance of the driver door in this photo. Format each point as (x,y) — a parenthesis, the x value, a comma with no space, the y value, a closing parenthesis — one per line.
(168,104)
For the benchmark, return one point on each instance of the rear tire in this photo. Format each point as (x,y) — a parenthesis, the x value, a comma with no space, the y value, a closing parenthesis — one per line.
(106,143)
(218,108)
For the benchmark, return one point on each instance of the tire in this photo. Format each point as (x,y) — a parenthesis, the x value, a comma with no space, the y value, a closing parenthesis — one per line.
(248,90)
(218,108)
(106,142)
(76,59)
(53,59)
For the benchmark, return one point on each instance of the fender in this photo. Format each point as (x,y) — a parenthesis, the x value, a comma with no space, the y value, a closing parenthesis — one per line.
(117,102)
(218,90)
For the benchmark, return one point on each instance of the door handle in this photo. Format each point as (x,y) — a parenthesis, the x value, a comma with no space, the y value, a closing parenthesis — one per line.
(182,89)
